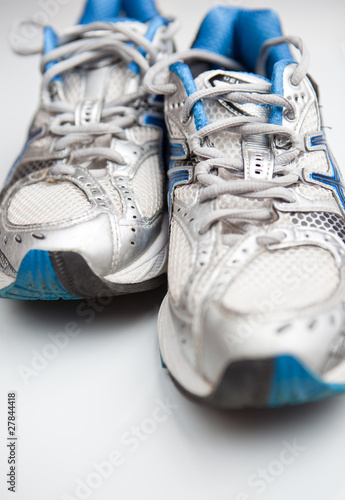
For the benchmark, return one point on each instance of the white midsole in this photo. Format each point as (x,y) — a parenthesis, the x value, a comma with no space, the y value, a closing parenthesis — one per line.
(175,359)
(5,280)
(187,376)
(336,375)
(151,264)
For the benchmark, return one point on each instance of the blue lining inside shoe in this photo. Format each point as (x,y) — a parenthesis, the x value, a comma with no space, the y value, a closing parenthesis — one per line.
(239,34)
(186,77)
(107,10)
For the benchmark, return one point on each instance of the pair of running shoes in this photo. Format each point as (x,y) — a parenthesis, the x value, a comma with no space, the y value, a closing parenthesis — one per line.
(218,151)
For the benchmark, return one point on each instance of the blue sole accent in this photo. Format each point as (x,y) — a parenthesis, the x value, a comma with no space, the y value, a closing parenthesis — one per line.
(36,280)
(164,366)
(293,384)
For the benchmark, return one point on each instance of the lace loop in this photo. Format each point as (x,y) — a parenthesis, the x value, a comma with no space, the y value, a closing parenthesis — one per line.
(210,160)
(96,43)
(302,67)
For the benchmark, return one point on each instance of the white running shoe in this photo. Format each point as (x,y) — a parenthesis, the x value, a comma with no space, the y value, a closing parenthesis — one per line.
(255,312)
(82,210)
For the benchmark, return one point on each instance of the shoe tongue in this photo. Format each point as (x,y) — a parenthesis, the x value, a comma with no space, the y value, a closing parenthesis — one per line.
(215,78)
(220,109)
(230,143)
(112,84)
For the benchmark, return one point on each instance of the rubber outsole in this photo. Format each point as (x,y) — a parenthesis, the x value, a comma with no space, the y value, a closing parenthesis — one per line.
(76,276)
(266,383)
(65,275)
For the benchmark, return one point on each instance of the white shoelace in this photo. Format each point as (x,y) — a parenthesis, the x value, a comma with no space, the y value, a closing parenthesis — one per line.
(209,159)
(94,43)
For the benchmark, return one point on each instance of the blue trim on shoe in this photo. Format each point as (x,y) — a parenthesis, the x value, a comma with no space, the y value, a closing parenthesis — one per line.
(177,177)
(154,25)
(293,384)
(50,42)
(276,117)
(334,181)
(36,280)
(143,10)
(240,33)
(253,28)
(100,10)
(178,151)
(163,365)
(108,10)
(155,121)
(216,32)
(186,77)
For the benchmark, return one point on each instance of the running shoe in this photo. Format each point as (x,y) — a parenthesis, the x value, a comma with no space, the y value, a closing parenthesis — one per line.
(83,209)
(255,312)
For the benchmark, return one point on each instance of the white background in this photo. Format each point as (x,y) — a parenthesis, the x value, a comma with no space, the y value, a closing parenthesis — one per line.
(108,380)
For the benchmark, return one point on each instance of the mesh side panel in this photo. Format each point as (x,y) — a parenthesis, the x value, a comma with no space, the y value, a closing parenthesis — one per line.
(301,277)
(73,85)
(187,194)
(175,131)
(117,82)
(145,134)
(315,192)
(215,111)
(180,257)
(28,168)
(325,221)
(311,121)
(47,202)
(230,201)
(112,192)
(148,186)
(5,266)
(315,161)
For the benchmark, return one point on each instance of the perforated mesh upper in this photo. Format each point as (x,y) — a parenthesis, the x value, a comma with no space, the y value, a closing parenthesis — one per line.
(187,194)
(47,202)
(117,82)
(300,277)
(145,134)
(325,221)
(315,192)
(225,141)
(227,200)
(73,85)
(180,256)
(175,130)
(148,186)
(5,266)
(112,192)
(28,168)
(311,121)
(230,144)
(314,161)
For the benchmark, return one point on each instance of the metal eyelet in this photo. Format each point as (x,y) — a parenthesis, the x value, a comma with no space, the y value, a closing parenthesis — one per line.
(298,86)
(288,116)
